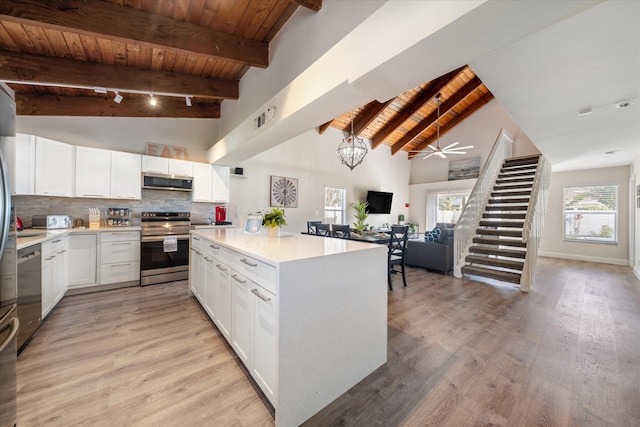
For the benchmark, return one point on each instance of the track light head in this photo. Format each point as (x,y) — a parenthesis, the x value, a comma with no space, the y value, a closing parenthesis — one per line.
(187,100)
(153,101)
(118,98)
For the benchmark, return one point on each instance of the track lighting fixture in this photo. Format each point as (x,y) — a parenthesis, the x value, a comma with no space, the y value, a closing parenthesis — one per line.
(118,98)
(152,101)
(188,101)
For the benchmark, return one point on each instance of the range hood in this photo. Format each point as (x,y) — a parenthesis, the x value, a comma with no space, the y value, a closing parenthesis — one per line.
(157,181)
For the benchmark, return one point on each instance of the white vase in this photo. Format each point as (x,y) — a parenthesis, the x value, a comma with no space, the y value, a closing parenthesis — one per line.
(274,231)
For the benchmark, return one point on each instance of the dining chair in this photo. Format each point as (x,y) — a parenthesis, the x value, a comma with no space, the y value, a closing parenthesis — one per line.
(323,230)
(340,231)
(397,249)
(311,226)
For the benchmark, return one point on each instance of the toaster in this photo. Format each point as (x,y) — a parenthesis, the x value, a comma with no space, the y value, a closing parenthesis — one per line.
(51,221)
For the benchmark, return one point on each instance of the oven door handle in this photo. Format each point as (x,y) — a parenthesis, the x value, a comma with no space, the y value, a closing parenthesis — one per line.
(161,238)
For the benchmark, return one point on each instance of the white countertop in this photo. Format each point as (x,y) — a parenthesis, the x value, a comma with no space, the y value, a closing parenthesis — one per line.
(287,247)
(33,236)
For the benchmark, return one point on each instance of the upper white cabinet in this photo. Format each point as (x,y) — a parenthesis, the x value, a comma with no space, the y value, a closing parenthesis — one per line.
(202,183)
(153,164)
(54,168)
(19,153)
(126,176)
(180,167)
(93,172)
(220,184)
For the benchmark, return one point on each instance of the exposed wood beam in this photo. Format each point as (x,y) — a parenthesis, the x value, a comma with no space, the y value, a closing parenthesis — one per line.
(458,96)
(456,121)
(324,127)
(314,5)
(416,104)
(130,25)
(375,108)
(34,69)
(49,105)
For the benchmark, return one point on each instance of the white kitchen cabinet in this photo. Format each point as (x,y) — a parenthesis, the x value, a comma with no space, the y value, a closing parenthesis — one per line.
(126,175)
(53,273)
(264,340)
(54,170)
(119,257)
(225,299)
(180,167)
(198,271)
(153,164)
(220,184)
(202,183)
(93,172)
(82,260)
(19,153)
(242,321)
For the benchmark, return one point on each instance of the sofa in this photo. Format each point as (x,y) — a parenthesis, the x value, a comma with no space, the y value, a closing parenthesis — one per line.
(437,255)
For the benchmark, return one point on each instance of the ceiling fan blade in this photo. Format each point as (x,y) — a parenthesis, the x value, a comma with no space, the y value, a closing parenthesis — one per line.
(441,154)
(450,145)
(428,155)
(456,152)
(460,148)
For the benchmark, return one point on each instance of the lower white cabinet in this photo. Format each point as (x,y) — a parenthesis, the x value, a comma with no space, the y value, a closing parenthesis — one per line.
(264,340)
(53,273)
(224,299)
(82,262)
(119,257)
(241,322)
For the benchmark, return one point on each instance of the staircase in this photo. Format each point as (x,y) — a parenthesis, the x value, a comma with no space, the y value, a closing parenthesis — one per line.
(499,248)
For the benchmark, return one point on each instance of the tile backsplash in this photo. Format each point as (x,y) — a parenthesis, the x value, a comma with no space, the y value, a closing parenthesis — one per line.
(152,200)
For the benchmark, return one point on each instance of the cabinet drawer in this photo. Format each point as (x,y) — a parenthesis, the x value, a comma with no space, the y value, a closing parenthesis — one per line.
(53,246)
(119,252)
(119,272)
(261,273)
(119,236)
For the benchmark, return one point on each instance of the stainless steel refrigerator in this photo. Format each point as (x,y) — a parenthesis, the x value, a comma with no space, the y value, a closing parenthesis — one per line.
(8,273)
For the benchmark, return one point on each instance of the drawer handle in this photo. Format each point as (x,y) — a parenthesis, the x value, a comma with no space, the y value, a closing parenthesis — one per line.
(92,195)
(195,238)
(206,258)
(121,243)
(120,265)
(250,264)
(238,279)
(221,267)
(259,295)
(56,241)
(214,247)
(50,258)
(62,251)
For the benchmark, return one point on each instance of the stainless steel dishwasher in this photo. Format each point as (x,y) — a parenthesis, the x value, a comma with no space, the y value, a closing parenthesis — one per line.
(29,292)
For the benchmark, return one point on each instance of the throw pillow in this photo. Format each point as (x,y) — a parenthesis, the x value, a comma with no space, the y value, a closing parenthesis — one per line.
(433,235)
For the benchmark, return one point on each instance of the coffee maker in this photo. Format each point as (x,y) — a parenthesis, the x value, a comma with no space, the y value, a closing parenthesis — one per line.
(221,215)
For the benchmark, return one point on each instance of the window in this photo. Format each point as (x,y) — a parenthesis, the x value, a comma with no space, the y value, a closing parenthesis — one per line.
(450,206)
(591,214)
(334,205)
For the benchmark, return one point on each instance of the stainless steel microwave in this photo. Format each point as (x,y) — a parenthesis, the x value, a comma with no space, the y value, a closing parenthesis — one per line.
(167,182)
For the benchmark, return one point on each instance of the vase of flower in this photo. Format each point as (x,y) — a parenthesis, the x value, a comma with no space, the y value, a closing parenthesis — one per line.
(273,220)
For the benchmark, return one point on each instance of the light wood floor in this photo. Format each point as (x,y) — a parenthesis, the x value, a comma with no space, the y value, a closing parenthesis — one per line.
(460,353)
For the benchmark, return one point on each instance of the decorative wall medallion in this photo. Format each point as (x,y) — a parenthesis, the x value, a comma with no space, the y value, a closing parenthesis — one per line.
(284,192)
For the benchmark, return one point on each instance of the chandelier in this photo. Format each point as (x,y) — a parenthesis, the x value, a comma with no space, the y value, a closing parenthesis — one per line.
(352,149)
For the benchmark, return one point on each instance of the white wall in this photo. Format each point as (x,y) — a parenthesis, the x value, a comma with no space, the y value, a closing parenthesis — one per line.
(634,220)
(552,243)
(311,158)
(125,134)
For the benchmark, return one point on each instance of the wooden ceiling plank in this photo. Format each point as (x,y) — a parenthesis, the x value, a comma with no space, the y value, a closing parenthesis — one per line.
(374,110)
(455,121)
(49,105)
(429,120)
(324,127)
(131,25)
(314,5)
(27,69)
(422,98)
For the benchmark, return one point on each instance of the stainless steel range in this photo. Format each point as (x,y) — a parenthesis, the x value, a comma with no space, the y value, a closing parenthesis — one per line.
(164,248)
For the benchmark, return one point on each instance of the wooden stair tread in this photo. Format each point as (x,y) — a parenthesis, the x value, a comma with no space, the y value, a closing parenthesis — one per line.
(511,193)
(494,232)
(497,262)
(514,180)
(530,173)
(504,215)
(506,208)
(499,187)
(507,253)
(501,200)
(499,242)
(504,276)
(509,224)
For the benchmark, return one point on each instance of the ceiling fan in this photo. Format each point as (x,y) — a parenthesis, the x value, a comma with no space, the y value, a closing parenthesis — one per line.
(449,149)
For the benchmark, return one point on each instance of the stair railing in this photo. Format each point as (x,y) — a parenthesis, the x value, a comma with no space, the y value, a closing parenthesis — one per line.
(472,213)
(534,220)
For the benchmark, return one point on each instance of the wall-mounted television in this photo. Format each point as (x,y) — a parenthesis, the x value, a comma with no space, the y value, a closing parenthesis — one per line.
(379,202)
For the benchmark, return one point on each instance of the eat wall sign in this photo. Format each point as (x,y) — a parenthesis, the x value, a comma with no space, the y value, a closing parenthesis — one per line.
(161,150)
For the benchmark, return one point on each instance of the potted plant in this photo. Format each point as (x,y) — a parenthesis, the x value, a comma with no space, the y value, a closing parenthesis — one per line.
(401,219)
(273,220)
(361,215)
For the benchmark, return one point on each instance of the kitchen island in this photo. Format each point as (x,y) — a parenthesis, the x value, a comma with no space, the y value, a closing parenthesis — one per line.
(306,315)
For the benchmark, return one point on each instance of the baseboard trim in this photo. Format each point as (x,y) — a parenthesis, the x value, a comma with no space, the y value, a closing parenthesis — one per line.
(599,260)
